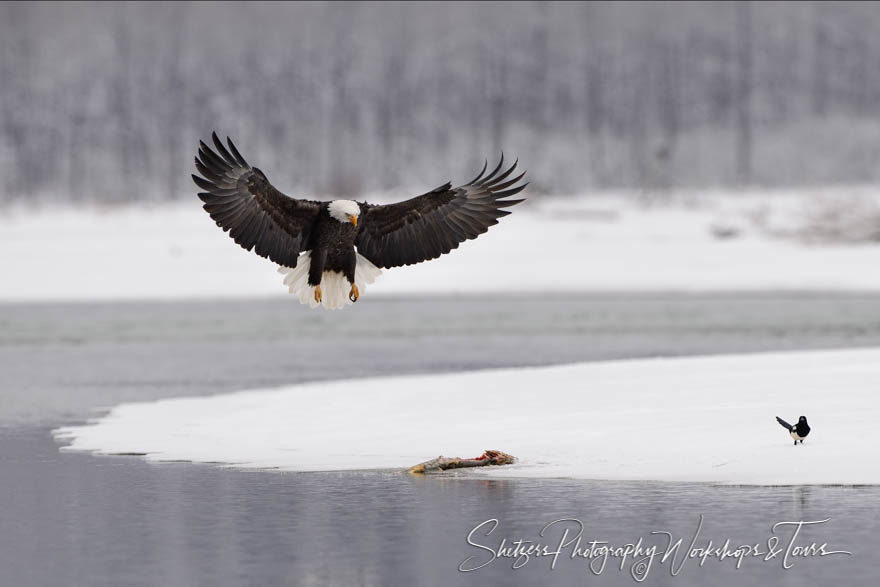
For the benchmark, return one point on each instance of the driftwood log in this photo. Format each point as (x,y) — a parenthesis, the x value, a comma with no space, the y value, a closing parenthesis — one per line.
(441,463)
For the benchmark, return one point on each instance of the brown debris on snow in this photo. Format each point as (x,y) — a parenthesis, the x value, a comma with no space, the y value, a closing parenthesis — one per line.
(441,463)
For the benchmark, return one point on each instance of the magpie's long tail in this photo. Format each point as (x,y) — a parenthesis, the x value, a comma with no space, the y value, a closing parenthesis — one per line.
(784,424)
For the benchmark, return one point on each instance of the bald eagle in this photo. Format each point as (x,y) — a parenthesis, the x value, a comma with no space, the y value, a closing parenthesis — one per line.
(322,247)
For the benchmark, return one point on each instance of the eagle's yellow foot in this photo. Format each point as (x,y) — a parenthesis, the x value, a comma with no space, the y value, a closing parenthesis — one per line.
(318,294)
(354,294)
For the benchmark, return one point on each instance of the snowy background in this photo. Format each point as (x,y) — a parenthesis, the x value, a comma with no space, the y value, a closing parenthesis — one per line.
(107,103)
(670,146)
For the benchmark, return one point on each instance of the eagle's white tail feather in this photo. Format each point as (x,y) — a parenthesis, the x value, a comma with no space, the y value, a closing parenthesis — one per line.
(334,285)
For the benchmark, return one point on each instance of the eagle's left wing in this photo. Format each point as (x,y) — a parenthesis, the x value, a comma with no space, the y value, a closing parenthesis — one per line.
(430,225)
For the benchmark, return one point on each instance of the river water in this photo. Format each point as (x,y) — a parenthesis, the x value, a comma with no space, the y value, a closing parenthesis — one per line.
(74,519)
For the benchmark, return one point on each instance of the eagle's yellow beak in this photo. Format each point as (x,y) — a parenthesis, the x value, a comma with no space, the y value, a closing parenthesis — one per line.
(353,219)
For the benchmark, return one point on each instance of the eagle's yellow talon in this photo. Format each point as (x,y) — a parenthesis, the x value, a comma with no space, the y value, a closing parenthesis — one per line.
(318,293)
(354,294)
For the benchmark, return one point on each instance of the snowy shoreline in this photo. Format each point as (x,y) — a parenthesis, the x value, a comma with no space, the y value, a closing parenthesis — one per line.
(561,245)
(696,419)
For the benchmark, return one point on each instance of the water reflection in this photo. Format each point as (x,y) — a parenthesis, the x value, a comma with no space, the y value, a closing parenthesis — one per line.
(123,521)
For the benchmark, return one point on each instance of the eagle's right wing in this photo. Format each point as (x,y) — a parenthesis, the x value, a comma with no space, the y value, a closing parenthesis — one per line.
(784,424)
(242,201)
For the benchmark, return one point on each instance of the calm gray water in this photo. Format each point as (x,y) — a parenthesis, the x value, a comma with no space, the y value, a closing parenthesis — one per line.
(72,519)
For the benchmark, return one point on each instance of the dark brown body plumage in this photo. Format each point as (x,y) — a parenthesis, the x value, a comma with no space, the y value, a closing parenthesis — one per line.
(332,246)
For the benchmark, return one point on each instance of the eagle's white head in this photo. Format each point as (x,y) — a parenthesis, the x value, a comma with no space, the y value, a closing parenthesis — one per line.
(344,211)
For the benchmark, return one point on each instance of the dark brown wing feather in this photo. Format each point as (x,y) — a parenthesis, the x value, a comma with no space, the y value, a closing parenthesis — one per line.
(430,225)
(243,202)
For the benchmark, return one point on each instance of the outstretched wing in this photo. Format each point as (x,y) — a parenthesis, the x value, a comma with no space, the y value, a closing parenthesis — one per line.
(430,225)
(243,202)
(784,424)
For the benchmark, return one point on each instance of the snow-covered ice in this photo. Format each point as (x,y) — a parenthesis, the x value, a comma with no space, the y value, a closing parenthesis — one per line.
(703,419)
(547,245)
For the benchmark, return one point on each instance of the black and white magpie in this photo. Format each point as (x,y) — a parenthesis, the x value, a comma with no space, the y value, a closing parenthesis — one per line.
(799,431)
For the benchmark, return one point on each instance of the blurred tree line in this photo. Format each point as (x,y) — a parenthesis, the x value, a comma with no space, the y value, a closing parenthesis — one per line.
(107,101)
